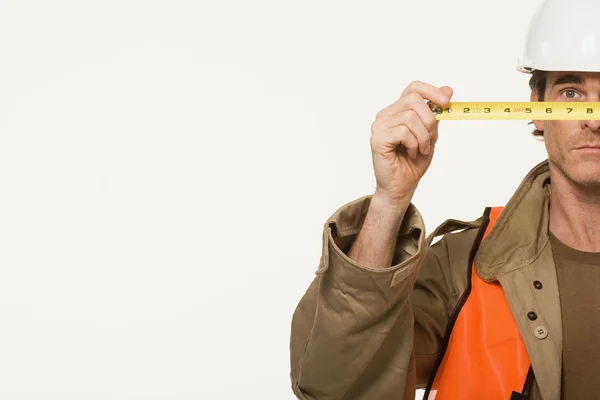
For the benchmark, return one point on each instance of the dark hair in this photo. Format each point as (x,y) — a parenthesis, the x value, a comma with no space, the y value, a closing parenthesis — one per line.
(537,82)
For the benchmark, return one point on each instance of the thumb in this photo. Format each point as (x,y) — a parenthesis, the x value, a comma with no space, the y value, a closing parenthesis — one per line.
(447,90)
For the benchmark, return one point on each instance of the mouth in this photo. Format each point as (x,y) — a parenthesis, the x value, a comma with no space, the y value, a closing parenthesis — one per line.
(589,148)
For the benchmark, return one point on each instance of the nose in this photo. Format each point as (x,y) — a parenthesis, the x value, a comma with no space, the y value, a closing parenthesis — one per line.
(593,125)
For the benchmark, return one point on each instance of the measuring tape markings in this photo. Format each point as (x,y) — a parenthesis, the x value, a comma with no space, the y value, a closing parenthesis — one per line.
(564,110)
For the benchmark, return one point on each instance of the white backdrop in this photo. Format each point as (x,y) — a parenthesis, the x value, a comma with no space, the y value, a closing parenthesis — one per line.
(167,166)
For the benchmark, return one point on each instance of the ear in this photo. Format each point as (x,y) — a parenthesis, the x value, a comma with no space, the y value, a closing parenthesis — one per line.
(539,124)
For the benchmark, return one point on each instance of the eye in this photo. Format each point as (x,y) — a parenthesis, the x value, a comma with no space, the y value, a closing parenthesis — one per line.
(570,93)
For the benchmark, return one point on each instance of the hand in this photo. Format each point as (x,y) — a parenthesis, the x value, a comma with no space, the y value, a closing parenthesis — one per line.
(403,138)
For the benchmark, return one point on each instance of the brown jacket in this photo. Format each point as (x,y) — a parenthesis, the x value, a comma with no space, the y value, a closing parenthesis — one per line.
(364,334)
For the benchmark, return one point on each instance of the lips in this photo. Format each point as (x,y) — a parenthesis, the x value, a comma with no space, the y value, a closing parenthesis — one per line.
(590,150)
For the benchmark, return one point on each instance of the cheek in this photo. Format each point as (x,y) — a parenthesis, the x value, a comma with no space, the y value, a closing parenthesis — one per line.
(553,136)
(559,136)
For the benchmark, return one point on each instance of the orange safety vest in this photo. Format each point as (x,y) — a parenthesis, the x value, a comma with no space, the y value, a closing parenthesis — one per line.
(484,356)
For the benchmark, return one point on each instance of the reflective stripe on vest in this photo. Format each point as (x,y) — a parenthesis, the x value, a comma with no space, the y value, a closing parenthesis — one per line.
(485,357)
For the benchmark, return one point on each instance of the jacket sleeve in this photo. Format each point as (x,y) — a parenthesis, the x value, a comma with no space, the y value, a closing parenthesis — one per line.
(353,331)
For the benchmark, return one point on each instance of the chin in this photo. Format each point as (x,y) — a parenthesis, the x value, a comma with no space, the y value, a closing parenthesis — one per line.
(584,172)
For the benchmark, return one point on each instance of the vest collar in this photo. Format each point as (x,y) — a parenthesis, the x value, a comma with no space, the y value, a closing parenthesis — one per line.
(521,231)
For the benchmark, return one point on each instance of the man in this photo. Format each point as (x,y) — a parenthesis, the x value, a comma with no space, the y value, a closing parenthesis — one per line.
(504,307)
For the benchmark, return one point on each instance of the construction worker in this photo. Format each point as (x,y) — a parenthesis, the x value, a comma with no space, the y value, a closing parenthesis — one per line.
(503,307)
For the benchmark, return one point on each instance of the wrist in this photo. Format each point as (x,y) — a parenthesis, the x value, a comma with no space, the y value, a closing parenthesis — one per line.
(391,207)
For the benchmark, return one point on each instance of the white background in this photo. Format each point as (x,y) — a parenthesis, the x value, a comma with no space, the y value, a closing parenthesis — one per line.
(166,168)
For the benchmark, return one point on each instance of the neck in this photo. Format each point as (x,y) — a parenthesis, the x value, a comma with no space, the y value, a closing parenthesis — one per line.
(574,213)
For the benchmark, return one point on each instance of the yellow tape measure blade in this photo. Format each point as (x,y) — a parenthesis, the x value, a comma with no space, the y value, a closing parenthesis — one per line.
(566,110)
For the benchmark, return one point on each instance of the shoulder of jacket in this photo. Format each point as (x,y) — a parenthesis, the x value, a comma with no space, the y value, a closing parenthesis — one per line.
(453,226)
(449,256)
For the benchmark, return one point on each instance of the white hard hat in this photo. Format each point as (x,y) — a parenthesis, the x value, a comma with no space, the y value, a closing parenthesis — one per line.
(563,35)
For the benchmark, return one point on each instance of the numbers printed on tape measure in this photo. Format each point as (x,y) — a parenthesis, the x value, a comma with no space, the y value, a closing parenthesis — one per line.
(567,110)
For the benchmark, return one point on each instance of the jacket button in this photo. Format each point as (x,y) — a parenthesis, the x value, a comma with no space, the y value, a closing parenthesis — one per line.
(540,332)
(538,285)
(532,315)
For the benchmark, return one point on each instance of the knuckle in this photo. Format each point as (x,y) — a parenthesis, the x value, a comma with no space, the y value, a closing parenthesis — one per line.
(399,132)
(409,117)
(414,97)
(429,124)
(431,127)
(428,119)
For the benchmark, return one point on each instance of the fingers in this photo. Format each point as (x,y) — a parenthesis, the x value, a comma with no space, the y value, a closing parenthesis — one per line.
(404,129)
(409,122)
(429,92)
(401,135)
(417,129)
(427,119)
(417,92)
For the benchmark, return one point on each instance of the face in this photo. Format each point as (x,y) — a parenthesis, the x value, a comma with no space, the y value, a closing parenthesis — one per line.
(573,146)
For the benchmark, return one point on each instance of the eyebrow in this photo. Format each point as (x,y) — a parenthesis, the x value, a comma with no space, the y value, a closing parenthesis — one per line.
(569,78)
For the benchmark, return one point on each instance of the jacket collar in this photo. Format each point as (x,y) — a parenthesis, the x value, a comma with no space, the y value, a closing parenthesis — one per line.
(521,231)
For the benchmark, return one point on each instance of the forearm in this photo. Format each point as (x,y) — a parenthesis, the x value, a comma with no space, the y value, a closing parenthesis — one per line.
(376,241)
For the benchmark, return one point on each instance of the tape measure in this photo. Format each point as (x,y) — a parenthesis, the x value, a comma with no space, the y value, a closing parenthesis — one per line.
(564,110)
